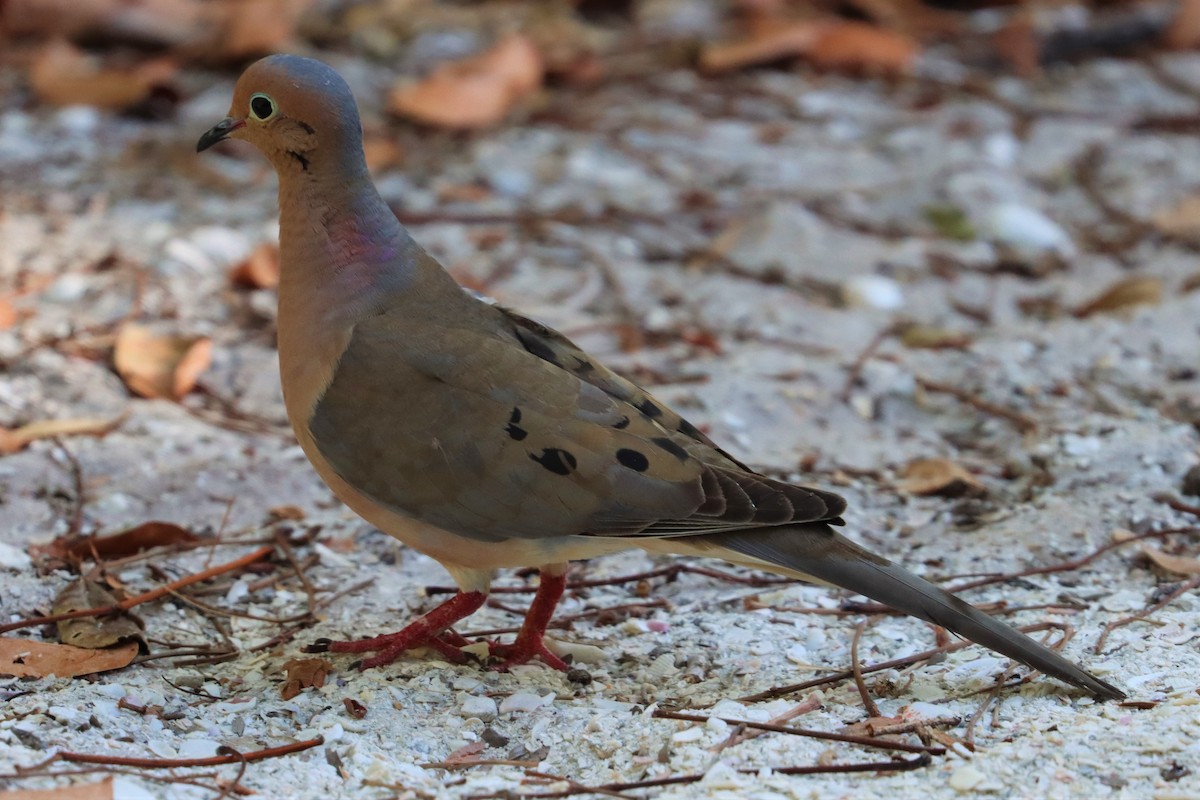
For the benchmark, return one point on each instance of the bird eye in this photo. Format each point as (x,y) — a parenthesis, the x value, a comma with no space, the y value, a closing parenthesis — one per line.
(262,107)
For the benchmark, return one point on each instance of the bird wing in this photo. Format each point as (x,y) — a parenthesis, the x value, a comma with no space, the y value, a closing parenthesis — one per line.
(492,426)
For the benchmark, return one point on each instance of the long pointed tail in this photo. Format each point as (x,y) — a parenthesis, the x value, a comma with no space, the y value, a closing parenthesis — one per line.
(814,550)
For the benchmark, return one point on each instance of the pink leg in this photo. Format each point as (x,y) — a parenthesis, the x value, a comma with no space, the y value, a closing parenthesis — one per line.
(528,644)
(426,631)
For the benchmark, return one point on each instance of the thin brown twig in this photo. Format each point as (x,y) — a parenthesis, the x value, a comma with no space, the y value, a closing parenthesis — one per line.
(1142,615)
(856,667)
(897,663)
(864,741)
(854,372)
(1023,423)
(231,756)
(145,597)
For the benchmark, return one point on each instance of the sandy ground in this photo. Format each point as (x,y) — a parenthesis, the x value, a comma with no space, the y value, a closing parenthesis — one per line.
(760,231)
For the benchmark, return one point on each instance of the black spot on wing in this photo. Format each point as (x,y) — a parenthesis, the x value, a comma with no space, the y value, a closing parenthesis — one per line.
(536,345)
(648,408)
(633,459)
(670,447)
(513,429)
(583,366)
(689,430)
(622,423)
(556,460)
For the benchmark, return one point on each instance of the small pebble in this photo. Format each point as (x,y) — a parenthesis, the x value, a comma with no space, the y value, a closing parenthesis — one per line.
(966,778)
(525,701)
(873,291)
(483,708)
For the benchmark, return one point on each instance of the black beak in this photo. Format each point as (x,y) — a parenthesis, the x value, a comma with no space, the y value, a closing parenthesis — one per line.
(218,133)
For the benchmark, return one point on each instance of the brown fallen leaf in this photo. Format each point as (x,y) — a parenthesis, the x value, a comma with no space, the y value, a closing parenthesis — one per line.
(8,313)
(1180,565)
(147,23)
(64,75)
(1181,219)
(304,673)
(827,44)
(259,270)
(466,754)
(286,512)
(1190,284)
(157,365)
(126,543)
(245,29)
(1123,295)
(381,152)
(77,791)
(925,337)
(1184,31)
(93,633)
(28,659)
(940,476)
(14,439)
(859,47)
(475,92)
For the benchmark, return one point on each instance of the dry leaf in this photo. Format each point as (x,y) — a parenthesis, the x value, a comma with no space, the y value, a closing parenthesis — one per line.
(147,23)
(941,476)
(286,512)
(1184,31)
(1123,295)
(304,673)
(857,46)
(925,337)
(467,753)
(8,313)
(381,152)
(160,366)
(259,270)
(24,658)
(1181,219)
(827,44)
(119,545)
(250,28)
(1180,565)
(12,440)
(77,791)
(64,75)
(476,92)
(767,42)
(93,633)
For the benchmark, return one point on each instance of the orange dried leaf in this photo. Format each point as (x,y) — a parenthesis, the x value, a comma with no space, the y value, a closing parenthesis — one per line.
(160,366)
(1180,565)
(1184,31)
(25,658)
(1123,295)
(926,476)
(259,270)
(63,75)
(8,313)
(249,28)
(475,92)
(12,440)
(857,46)
(768,42)
(79,791)
(467,753)
(119,545)
(304,673)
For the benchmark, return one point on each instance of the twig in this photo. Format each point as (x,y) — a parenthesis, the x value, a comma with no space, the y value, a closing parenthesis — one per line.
(864,741)
(1142,615)
(856,668)
(230,756)
(1022,422)
(856,368)
(75,525)
(145,597)
(906,661)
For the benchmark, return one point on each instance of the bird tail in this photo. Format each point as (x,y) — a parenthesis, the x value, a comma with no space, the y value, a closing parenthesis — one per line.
(814,551)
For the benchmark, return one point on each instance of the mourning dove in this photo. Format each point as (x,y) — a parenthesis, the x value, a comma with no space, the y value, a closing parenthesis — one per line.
(487,440)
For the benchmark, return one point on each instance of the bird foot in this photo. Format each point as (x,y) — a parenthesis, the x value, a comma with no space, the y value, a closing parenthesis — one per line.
(522,651)
(431,630)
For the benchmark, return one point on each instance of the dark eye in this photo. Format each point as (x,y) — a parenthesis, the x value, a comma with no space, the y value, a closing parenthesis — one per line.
(262,107)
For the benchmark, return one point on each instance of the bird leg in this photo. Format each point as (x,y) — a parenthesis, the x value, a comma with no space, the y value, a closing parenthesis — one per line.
(430,630)
(529,643)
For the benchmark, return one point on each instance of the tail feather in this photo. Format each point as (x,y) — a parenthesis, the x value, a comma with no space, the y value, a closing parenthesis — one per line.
(815,551)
